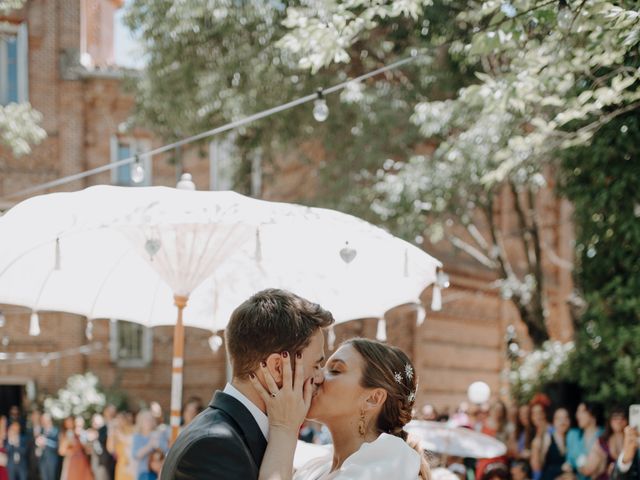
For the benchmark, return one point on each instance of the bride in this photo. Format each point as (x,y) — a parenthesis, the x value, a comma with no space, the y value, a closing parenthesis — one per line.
(365,400)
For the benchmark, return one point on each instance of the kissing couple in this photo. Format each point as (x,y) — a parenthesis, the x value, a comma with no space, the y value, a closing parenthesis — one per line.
(364,394)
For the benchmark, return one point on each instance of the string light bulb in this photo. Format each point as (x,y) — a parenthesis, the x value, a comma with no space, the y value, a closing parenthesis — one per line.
(320,107)
(381,331)
(137,171)
(186,182)
(215,342)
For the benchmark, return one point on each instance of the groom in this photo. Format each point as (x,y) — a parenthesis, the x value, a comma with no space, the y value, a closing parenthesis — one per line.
(228,439)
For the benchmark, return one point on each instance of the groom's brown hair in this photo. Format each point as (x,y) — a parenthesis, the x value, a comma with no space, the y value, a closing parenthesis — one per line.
(271,321)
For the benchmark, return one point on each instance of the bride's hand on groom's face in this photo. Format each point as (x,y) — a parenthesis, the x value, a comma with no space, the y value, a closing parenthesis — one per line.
(288,405)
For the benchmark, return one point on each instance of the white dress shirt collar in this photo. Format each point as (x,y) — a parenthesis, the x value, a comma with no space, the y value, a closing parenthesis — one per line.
(259,416)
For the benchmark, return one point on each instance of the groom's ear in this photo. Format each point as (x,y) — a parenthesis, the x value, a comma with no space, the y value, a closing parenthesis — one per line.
(376,398)
(274,365)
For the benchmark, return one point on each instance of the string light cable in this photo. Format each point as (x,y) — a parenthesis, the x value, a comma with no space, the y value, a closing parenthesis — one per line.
(317,97)
(44,358)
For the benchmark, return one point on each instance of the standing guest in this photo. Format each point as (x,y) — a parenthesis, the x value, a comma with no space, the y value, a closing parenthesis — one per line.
(429,412)
(106,458)
(552,448)
(540,421)
(47,442)
(520,470)
(628,463)
(16,416)
(17,451)
(75,465)
(191,409)
(495,426)
(97,451)
(512,439)
(119,445)
(161,427)
(156,459)
(32,432)
(4,475)
(607,449)
(146,439)
(524,432)
(580,441)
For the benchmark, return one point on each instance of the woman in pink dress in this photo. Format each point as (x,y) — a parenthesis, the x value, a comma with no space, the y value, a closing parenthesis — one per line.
(76,462)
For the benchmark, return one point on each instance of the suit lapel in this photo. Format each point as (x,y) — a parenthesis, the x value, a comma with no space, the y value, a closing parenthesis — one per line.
(238,412)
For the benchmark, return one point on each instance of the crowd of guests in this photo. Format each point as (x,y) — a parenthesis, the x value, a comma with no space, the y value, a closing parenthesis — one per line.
(546,442)
(115,445)
(543,443)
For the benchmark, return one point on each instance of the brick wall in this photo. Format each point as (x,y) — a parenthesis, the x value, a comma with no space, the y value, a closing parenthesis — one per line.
(461,344)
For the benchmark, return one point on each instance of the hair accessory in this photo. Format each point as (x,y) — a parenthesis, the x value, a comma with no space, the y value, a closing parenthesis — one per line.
(408,371)
(398,377)
(412,397)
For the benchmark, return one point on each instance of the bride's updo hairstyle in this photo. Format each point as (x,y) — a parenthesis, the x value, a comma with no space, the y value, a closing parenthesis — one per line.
(389,368)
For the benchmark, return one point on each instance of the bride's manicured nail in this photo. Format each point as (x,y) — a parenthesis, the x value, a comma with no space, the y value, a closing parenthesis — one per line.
(285,354)
(263,364)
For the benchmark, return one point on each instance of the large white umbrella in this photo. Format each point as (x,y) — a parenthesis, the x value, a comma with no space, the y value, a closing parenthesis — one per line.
(455,441)
(139,254)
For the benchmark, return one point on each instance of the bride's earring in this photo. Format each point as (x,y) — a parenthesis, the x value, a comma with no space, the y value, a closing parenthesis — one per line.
(361,427)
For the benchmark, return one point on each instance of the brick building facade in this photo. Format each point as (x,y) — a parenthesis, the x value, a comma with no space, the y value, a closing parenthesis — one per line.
(71,79)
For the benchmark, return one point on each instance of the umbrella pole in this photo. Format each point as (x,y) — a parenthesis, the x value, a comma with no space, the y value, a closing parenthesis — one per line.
(176,371)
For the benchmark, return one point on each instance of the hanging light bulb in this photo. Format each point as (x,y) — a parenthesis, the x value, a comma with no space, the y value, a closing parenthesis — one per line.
(88,331)
(215,342)
(186,182)
(320,108)
(421,314)
(137,171)
(442,282)
(381,332)
(565,16)
(34,324)
(3,320)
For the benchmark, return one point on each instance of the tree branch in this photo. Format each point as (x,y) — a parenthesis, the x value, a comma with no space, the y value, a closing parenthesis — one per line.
(472,251)
(525,233)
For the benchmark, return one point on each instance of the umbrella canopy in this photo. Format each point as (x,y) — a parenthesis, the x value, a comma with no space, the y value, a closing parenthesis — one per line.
(455,441)
(115,252)
(160,255)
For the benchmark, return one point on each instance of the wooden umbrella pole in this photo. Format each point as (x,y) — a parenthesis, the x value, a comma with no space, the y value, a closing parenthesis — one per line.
(176,372)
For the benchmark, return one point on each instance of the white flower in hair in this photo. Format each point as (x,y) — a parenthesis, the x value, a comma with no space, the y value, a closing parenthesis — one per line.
(398,377)
(408,371)
(412,397)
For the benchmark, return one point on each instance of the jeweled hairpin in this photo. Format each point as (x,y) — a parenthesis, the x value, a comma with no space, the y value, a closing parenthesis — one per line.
(398,377)
(412,397)
(408,371)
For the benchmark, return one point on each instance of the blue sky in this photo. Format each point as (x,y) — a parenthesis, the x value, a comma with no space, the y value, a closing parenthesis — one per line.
(126,49)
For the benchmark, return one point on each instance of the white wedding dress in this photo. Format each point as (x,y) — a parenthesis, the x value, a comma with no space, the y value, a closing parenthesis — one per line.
(387,458)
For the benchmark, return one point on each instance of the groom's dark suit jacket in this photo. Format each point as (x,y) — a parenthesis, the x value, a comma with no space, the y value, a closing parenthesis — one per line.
(223,442)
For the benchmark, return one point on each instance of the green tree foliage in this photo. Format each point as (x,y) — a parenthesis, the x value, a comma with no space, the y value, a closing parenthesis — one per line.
(210,63)
(19,123)
(547,78)
(602,181)
(498,88)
